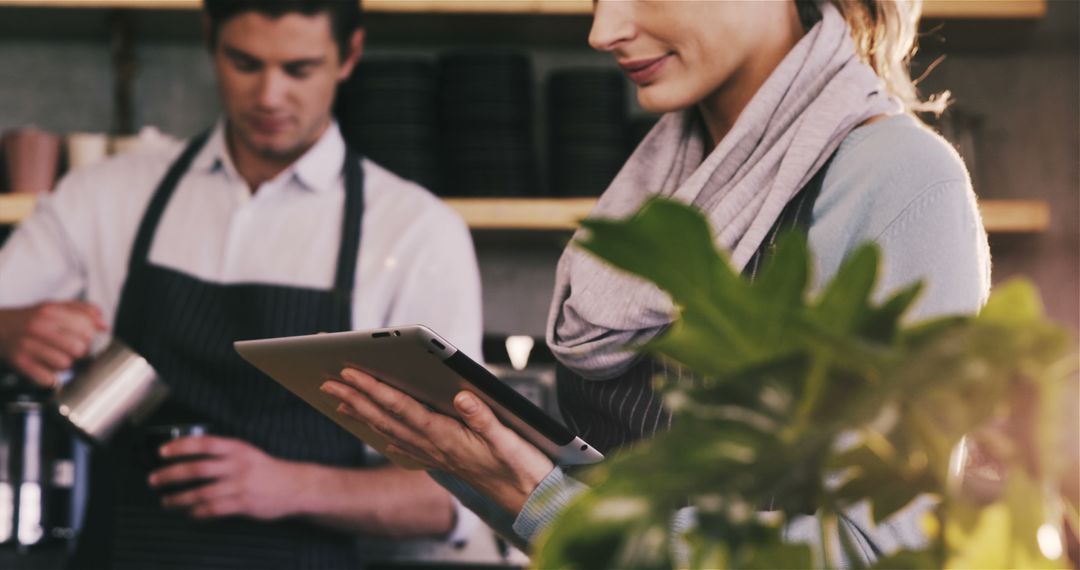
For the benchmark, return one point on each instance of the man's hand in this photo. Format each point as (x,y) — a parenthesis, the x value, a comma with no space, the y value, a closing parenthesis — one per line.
(245,481)
(45,339)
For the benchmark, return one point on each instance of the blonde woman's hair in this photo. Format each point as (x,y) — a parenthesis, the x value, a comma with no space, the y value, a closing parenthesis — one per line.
(885,33)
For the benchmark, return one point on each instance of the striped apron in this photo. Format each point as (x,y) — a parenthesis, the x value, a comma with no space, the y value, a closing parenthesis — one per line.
(185,328)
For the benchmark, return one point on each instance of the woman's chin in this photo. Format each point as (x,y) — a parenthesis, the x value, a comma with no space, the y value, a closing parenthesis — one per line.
(662,99)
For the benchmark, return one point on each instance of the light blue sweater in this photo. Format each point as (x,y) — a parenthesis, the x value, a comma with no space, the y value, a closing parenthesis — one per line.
(894,182)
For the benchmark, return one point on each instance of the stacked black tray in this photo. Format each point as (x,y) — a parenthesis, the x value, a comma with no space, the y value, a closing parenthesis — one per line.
(387,111)
(587,130)
(485,104)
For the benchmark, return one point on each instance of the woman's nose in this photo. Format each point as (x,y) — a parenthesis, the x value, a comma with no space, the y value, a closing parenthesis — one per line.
(613,24)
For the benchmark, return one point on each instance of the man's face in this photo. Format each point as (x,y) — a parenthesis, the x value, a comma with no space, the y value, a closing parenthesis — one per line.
(277,79)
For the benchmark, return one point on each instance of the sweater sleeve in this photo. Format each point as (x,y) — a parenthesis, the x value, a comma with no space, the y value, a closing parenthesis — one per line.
(499,519)
(550,498)
(547,501)
(954,264)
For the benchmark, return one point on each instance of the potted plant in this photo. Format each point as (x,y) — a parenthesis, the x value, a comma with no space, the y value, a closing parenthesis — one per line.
(822,403)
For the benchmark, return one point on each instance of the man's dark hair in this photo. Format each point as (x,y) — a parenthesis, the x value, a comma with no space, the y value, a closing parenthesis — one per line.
(345,15)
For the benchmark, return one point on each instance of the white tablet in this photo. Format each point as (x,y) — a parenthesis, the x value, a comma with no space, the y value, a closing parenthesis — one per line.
(416,361)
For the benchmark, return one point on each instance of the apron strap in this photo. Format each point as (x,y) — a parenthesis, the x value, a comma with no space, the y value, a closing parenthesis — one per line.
(351,226)
(797,214)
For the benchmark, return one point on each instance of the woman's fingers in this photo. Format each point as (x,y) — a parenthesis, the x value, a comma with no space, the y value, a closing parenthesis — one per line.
(477,416)
(424,436)
(360,380)
(402,439)
(503,443)
(400,405)
(361,408)
(400,448)
(474,446)
(394,401)
(397,453)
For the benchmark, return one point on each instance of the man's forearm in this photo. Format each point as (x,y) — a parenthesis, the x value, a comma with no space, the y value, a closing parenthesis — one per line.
(383,501)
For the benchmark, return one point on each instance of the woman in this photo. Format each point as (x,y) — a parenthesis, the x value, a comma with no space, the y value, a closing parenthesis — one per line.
(778,114)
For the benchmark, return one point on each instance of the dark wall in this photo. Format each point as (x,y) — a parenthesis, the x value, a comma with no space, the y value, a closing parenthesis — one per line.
(1026,93)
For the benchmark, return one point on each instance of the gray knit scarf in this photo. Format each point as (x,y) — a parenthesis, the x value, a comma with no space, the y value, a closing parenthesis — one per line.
(799,116)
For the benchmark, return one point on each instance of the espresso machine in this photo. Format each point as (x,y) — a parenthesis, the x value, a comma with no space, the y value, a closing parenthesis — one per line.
(37,471)
(45,437)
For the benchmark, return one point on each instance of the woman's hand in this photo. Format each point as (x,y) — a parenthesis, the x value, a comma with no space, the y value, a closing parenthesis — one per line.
(477,448)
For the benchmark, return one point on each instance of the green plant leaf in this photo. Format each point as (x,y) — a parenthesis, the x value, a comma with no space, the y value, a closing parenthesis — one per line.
(792,392)
(1001,535)
(877,478)
(784,279)
(906,560)
(1015,302)
(777,556)
(883,323)
(844,302)
(607,528)
(666,243)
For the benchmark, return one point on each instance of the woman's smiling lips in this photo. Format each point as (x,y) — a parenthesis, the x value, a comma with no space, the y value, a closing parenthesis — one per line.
(642,71)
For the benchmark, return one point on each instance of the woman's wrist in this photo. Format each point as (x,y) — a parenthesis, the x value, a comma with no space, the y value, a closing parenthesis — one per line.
(512,495)
(546,504)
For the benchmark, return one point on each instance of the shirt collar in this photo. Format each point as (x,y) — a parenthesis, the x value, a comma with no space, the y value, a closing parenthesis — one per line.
(318,169)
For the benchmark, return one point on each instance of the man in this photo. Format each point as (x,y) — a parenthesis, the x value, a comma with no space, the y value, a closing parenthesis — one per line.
(267,225)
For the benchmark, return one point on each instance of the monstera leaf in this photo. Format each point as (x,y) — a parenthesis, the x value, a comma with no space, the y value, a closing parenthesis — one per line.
(815,403)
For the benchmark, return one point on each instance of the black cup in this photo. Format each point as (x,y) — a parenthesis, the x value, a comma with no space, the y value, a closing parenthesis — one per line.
(156,436)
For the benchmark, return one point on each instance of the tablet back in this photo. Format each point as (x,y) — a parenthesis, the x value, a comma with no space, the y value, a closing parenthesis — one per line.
(416,361)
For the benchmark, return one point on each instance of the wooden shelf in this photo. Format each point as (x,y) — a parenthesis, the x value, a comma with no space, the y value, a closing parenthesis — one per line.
(15,207)
(1015,216)
(562,214)
(934,9)
(984,9)
(522,214)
